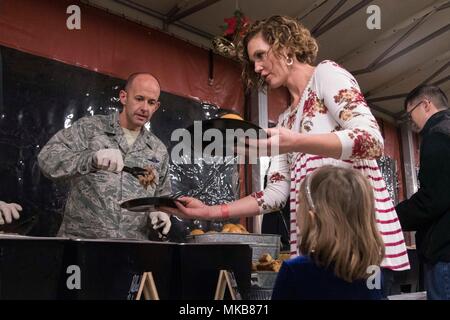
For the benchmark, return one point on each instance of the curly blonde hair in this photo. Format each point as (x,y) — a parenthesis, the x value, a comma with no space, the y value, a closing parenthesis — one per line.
(280,32)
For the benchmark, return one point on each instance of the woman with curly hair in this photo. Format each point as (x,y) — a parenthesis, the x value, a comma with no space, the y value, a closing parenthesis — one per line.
(327,123)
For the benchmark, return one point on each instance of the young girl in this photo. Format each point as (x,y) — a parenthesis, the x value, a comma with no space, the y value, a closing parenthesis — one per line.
(339,240)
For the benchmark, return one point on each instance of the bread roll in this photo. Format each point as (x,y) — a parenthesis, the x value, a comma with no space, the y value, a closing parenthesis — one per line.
(227,227)
(231,116)
(266,258)
(197,232)
(240,226)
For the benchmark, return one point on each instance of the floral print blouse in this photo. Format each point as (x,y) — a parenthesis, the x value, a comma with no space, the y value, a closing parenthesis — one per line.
(332,102)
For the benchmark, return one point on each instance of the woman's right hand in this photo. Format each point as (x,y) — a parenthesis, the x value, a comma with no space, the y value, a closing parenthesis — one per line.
(190,202)
(190,208)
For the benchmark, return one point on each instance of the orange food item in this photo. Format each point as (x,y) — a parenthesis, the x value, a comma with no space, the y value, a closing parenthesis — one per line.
(284,256)
(240,226)
(265,258)
(227,226)
(267,263)
(231,116)
(234,228)
(197,232)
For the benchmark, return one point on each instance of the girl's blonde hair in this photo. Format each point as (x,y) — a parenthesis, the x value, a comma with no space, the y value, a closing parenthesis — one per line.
(337,224)
(280,32)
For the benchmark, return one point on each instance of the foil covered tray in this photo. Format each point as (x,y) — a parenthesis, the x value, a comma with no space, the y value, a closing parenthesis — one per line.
(273,239)
(260,243)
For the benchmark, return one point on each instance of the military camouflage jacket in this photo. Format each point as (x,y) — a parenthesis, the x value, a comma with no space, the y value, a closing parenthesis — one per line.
(93,206)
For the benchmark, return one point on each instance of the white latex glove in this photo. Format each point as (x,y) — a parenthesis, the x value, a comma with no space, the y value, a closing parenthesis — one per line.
(160,219)
(108,159)
(8,211)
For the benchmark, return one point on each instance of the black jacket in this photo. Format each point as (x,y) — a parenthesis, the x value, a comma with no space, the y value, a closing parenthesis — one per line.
(428,210)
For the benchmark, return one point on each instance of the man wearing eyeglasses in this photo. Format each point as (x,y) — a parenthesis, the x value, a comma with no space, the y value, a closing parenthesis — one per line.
(90,155)
(428,210)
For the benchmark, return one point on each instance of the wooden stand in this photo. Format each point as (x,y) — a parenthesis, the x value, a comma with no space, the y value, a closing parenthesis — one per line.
(148,287)
(227,279)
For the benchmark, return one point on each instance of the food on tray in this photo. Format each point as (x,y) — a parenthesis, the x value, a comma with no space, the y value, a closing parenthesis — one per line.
(234,228)
(227,228)
(148,178)
(231,116)
(284,256)
(267,263)
(197,232)
(265,258)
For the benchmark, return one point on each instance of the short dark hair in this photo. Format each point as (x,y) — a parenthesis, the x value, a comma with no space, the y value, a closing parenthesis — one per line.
(133,76)
(433,93)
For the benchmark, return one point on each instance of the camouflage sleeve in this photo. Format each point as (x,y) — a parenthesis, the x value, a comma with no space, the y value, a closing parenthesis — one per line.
(66,154)
(164,179)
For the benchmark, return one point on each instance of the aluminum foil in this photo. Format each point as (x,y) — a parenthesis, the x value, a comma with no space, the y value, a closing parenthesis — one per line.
(388,168)
(210,181)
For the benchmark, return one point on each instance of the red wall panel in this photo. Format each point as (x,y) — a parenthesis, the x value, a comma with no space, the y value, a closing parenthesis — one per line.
(112,45)
(392,148)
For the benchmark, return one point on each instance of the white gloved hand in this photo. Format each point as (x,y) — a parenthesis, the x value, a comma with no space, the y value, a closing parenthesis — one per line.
(8,211)
(108,159)
(160,219)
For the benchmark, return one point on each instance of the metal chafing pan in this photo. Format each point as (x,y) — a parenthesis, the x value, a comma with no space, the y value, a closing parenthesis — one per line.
(260,243)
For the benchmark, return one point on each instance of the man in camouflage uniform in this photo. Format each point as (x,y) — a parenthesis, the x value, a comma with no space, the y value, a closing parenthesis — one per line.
(91,154)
